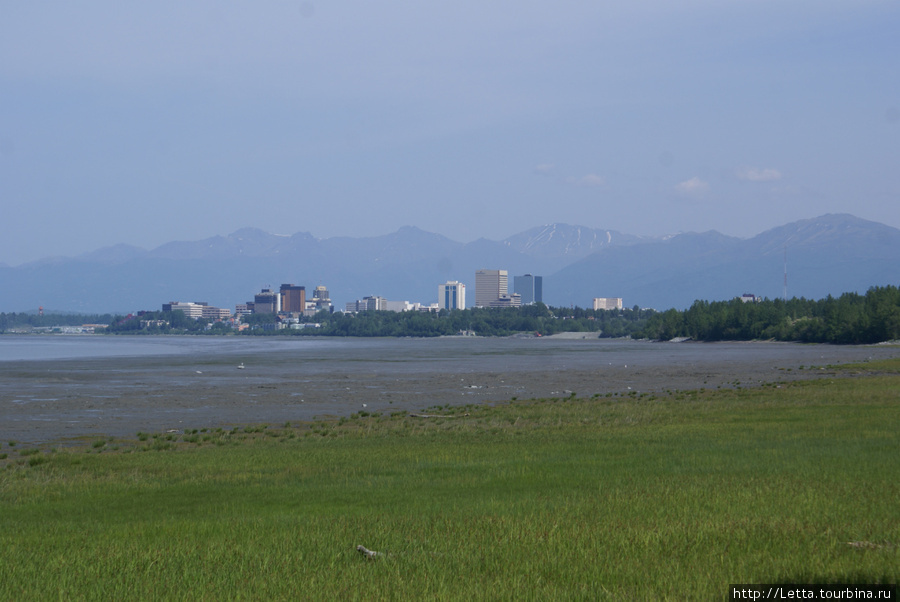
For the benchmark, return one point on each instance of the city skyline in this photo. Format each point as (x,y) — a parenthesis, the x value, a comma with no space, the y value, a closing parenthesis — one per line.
(291,299)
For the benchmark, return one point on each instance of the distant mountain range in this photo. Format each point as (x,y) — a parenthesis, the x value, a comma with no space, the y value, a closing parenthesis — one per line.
(831,254)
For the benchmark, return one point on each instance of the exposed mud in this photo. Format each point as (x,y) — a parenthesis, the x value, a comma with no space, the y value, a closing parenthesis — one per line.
(53,400)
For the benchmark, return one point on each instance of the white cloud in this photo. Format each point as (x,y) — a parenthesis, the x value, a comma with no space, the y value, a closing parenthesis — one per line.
(694,186)
(758,175)
(544,169)
(591,180)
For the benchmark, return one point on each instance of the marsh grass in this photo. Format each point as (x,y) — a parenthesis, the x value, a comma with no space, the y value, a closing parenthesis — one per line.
(670,496)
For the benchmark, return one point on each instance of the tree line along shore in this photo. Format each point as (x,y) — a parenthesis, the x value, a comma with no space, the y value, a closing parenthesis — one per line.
(852,318)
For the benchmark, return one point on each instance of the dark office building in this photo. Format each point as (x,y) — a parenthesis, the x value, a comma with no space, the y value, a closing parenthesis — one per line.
(531,288)
(293,298)
(266,302)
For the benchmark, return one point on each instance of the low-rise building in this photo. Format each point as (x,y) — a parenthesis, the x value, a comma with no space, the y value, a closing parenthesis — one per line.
(200,309)
(366,304)
(607,303)
(156,323)
(190,310)
(399,306)
(514,300)
(215,313)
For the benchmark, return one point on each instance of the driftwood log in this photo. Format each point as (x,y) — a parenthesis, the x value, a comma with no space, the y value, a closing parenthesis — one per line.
(871,545)
(371,554)
(436,416)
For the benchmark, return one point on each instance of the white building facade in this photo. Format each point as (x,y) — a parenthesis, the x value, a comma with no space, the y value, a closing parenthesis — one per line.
(452,295)
(190,310)
(607,303)
(367,304)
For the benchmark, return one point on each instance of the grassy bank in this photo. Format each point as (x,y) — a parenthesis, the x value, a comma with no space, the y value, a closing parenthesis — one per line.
(633,497)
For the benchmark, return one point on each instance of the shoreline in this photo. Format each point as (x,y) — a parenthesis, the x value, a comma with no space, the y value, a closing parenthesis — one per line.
(44,401)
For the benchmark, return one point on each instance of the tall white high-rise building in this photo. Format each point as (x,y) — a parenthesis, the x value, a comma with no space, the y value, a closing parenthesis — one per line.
(490,285)
(452,295)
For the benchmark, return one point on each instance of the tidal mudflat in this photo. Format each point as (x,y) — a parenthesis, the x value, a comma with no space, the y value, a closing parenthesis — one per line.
(123,386)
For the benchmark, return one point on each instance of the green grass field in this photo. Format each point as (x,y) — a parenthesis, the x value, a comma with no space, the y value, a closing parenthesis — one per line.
(627,497)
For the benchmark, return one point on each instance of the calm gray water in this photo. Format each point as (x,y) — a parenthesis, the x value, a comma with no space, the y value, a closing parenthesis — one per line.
(453,350)
(56,347)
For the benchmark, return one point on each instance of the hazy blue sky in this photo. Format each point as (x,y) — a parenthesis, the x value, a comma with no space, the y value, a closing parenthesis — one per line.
(157,121)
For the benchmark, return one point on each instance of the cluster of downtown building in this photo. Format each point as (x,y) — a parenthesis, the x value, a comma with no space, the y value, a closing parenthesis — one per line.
(492,290)
(289,301)
(291,304)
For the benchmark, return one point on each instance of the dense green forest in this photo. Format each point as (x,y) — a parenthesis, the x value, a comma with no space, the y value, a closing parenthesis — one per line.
(849,319)
(168,322)
(538,319)
(27,321)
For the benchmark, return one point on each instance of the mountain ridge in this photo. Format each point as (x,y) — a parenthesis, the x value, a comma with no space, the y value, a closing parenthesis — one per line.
(829,254)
